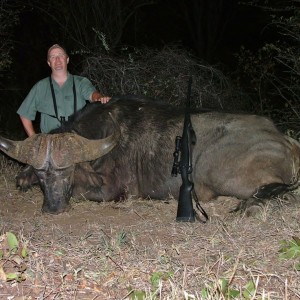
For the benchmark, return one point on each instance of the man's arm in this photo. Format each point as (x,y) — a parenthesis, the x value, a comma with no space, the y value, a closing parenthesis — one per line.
(28,126)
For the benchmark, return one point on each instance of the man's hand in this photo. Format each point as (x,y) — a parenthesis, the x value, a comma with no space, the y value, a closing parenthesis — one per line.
(97,97)
(104,99)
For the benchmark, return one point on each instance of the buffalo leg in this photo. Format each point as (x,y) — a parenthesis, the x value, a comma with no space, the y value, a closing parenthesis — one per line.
(26,178)
(91,185)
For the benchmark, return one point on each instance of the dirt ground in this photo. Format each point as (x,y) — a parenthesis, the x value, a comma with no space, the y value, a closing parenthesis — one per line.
(136,250)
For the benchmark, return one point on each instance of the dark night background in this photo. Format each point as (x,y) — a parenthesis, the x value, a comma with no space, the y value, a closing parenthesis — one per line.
(213,31)
(154,26)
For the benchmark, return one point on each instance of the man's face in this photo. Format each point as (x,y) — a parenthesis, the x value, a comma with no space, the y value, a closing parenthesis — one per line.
(58,59)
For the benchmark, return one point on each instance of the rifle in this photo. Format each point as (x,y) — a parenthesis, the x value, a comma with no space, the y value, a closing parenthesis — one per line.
(185,210)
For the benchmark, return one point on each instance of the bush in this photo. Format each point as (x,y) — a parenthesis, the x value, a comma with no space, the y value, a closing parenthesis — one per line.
(162,74)
(271,74)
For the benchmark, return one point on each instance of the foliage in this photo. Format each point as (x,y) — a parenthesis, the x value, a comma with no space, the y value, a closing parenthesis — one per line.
(224,290)
(114,243)
(12,258)
(156,281)
(291,250)
(161,74)
(157,277)
(137,295)
(272,72)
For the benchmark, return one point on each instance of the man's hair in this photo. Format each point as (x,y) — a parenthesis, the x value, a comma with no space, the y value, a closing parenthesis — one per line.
(56,46)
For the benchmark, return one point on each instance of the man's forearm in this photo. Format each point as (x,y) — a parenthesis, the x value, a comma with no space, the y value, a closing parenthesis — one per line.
(28,126)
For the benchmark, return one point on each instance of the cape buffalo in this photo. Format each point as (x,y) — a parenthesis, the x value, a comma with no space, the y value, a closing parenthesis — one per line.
(125,147)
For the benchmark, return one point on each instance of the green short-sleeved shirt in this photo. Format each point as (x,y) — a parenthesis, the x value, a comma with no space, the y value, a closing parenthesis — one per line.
(40,100)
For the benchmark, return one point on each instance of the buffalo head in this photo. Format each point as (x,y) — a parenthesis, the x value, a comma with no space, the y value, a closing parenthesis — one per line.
(53,158)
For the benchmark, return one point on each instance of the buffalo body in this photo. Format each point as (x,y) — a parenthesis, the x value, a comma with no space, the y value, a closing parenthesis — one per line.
(238,155)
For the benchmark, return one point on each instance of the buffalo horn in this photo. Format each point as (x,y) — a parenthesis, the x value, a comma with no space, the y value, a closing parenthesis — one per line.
(31,151)
(63,149)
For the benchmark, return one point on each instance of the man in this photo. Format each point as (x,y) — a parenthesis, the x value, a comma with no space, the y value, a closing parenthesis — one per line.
(57,97)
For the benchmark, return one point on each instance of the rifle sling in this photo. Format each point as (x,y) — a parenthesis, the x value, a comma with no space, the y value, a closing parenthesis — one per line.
(199,207)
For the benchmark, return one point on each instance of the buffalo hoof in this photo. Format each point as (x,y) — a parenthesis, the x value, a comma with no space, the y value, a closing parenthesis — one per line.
(250,207)
(291,198)
(26,179)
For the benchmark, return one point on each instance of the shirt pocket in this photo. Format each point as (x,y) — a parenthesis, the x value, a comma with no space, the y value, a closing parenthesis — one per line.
(69,98)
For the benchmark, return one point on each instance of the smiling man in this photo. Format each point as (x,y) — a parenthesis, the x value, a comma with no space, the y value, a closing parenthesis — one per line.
(58,96)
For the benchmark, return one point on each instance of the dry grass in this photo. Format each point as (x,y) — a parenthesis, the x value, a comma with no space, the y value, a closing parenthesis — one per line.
(118,250)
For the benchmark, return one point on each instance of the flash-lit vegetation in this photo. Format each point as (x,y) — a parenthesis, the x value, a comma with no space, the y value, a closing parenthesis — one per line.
(163,74)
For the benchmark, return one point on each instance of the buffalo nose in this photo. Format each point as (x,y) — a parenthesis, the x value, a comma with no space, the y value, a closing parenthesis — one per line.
(53,210)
